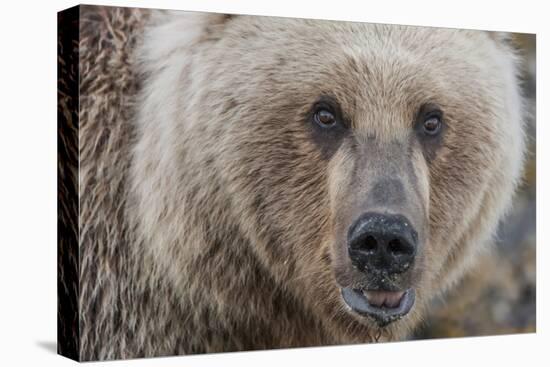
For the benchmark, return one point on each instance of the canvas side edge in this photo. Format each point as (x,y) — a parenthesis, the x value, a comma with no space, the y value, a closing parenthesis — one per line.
(68,335)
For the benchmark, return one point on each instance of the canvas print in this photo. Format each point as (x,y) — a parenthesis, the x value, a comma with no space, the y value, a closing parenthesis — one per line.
(233,183)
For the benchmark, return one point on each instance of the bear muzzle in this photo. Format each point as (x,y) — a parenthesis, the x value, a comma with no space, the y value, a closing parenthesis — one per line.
(382,247)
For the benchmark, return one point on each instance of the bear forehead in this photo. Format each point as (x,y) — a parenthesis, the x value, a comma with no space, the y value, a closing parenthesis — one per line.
(356,57)
(330,40)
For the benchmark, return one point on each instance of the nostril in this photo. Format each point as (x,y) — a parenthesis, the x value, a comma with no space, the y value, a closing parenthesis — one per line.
(366,245)
(370,244)
(399,247)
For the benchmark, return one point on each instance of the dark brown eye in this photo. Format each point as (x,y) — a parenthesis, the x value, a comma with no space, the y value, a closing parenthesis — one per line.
(432,125)
(324,118)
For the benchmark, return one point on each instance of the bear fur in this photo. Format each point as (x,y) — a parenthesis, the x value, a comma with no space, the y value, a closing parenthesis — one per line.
(207,210)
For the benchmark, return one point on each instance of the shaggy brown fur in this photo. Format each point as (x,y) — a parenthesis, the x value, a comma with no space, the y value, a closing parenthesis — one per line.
(68,332)
(212,216)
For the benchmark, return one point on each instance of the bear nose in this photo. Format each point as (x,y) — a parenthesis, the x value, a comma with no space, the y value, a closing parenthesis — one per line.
(382,243)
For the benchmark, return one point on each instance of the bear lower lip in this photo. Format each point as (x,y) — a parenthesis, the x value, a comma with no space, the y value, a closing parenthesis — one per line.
(382,306)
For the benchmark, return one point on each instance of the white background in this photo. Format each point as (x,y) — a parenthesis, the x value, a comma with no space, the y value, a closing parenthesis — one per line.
(28,196)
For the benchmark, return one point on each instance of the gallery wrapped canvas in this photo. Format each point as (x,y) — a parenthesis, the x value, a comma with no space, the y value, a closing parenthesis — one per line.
(236,183)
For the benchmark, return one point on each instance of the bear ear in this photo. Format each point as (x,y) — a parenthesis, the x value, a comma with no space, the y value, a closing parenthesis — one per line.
(214,24)
(504,40)
(171,31)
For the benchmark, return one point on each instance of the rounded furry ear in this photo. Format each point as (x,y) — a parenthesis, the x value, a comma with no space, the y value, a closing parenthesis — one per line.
(173,30)
(214,25)
(503,39)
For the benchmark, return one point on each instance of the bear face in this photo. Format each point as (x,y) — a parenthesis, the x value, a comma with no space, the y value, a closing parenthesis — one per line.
(363,165)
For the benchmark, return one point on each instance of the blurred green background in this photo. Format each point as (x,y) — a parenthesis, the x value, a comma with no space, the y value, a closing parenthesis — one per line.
(499,296)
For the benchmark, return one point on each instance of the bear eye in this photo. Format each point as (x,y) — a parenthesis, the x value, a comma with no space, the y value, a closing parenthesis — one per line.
(324,118)
(429,120)
(432,125)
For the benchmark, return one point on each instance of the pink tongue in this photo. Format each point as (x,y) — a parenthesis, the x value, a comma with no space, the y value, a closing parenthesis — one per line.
(384,298)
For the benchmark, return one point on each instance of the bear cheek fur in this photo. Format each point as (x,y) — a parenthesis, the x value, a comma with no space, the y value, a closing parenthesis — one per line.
(278,181)
(466,178)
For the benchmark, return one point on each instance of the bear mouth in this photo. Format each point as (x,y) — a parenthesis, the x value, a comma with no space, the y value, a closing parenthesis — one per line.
(384,307)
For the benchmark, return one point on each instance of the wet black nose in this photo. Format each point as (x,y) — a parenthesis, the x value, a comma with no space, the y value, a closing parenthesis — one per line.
(382,243)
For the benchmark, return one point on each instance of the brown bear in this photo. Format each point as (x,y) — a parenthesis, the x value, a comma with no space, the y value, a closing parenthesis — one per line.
(254,182)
